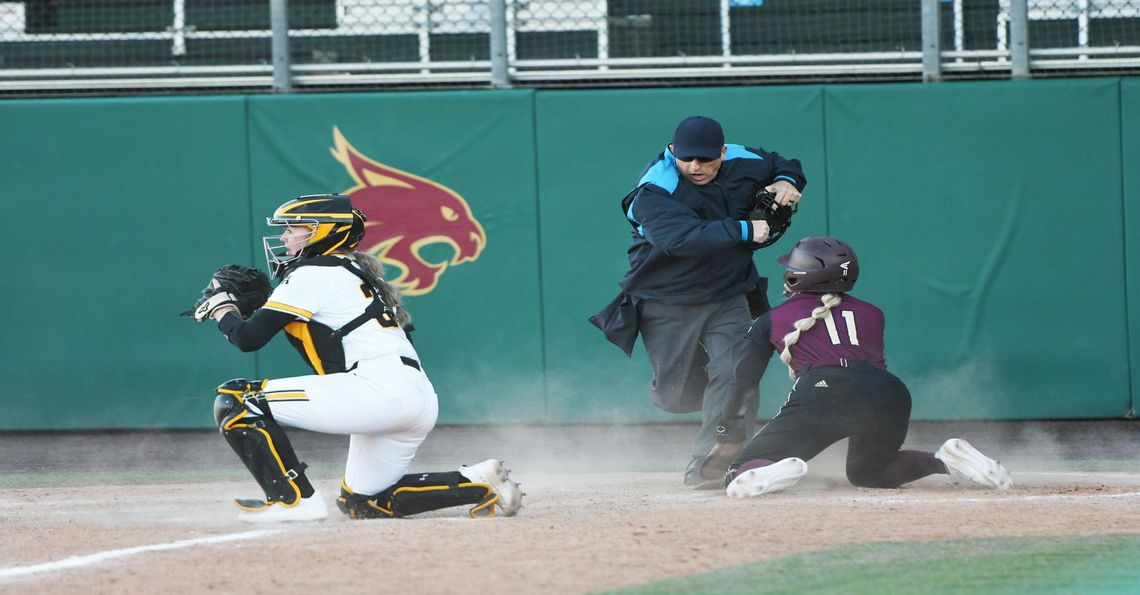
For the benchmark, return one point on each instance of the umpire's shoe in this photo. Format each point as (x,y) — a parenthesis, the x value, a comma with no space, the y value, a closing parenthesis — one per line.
(695,480)
(505,493)
(965,463)
(714,466)
(312,508)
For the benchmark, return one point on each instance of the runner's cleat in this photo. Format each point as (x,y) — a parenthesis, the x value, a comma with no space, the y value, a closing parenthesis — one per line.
(765,480)
(965,463)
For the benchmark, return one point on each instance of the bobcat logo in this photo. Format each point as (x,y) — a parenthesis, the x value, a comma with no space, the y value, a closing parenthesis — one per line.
(406,213)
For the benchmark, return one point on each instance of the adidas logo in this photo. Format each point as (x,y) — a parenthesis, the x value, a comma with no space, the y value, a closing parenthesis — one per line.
(821,384)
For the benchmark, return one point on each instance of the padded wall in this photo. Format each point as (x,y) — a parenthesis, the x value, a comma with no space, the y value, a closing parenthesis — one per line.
(996,223)
(987,217)
(118,212)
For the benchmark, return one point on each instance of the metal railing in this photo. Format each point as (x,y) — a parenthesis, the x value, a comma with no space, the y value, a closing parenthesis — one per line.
(60,47)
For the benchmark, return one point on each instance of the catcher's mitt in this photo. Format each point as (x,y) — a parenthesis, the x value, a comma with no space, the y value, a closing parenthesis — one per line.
(241,286)
(779,217)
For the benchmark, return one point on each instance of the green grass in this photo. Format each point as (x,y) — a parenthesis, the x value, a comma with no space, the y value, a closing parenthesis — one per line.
(1070,565)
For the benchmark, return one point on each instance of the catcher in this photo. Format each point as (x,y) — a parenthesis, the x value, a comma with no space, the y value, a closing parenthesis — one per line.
(698,212)
(349,327)
(832,343)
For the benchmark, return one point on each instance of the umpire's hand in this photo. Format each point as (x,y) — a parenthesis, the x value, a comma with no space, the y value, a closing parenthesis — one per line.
(786,194)
(760,230)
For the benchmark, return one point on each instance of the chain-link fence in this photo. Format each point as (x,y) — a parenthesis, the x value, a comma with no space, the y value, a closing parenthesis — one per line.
(107,45)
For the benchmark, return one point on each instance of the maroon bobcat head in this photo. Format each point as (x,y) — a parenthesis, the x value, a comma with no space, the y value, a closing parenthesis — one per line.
(406,213)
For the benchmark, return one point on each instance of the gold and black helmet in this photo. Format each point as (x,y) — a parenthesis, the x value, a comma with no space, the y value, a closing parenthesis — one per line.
(334,224)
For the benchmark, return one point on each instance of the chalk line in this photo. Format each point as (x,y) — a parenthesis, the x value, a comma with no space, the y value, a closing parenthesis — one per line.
(100,557)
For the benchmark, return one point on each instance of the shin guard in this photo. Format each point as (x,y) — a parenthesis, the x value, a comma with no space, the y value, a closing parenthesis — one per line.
(244,419)
(420,492)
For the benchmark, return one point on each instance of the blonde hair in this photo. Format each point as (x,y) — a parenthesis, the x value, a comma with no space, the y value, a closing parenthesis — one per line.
(830,300)
(390,294)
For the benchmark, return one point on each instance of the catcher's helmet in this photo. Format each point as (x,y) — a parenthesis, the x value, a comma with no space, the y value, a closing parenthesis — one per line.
(820,264)
(336,226)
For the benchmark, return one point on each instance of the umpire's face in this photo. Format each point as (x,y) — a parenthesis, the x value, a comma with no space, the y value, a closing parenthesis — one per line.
(697,170)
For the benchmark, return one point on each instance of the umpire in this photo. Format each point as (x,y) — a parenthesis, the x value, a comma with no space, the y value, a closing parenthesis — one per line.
(692,288)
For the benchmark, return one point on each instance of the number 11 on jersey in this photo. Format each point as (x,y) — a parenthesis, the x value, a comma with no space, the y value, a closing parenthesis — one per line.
(849,322)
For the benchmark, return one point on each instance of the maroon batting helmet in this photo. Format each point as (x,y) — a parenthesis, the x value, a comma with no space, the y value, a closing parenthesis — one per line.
(820,264)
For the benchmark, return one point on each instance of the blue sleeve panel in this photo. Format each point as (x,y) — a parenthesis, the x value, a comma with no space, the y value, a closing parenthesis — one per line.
(662,173)
(740,152)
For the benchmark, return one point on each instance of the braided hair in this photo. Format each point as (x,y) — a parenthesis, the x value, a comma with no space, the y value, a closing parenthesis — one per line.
(830,300)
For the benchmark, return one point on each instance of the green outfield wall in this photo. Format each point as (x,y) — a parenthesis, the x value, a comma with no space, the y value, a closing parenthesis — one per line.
(996,222)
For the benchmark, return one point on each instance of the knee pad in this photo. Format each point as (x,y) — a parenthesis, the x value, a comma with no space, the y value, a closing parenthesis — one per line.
(246,422)
(233,400)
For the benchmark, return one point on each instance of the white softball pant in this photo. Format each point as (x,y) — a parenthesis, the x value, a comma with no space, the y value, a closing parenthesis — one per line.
(385,406)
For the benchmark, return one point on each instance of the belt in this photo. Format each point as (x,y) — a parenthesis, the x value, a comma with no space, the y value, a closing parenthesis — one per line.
(407,361)
(842,362)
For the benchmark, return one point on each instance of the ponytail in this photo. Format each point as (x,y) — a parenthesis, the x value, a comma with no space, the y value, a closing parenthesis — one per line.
(830,300)
(391,295)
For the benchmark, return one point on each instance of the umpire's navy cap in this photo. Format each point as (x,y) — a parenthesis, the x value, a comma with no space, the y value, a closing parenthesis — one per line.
(698,136)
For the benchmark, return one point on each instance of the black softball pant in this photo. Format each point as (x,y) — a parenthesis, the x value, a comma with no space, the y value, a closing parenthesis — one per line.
(827,404)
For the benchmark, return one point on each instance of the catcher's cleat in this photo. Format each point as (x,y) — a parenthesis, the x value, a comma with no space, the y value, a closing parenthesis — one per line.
(312,508)
(504,492)
(765,480)
(965,463)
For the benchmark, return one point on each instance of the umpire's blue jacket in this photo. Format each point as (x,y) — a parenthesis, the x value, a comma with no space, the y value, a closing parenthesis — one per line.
(692,244)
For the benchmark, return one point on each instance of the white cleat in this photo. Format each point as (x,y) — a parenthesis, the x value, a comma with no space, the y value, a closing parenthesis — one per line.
(965,463)
(312,508)
(765,480)
(492,473)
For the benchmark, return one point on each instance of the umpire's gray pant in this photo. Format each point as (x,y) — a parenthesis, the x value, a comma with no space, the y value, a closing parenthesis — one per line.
(690,349)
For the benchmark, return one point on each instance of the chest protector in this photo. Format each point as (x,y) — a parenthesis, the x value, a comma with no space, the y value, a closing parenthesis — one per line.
(320,346)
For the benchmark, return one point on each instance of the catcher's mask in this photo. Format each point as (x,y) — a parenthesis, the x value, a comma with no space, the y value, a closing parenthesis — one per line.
(820,264)
(334,224)
(779,217)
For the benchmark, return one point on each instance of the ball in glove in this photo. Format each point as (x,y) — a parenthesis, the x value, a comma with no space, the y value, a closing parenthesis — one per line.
(779,217)
(244,287)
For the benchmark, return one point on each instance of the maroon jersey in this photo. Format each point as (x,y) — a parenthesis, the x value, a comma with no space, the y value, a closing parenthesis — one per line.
(853,332)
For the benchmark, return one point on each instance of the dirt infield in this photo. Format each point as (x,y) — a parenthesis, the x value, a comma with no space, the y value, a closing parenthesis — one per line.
(149,512)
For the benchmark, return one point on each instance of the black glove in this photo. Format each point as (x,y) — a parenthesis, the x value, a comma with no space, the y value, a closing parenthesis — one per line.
(779,217)
(241,286)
